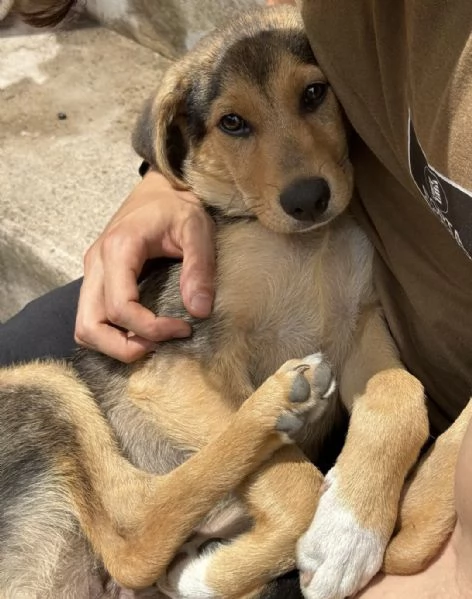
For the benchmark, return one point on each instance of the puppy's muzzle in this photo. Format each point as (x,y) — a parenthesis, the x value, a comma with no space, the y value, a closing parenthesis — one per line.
(306,199)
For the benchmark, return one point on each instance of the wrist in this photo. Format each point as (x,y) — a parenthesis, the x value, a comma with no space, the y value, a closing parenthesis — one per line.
(156,183)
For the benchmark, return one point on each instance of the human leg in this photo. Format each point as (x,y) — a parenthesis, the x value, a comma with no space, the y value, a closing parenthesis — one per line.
(43,329)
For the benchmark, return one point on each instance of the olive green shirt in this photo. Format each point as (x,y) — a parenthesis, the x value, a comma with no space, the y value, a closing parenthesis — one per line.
(403,73)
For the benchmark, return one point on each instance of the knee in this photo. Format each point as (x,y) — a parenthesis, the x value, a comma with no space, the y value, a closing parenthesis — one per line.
(463,485)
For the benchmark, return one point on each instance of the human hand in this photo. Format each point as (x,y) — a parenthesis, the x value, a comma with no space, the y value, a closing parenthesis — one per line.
(156,220)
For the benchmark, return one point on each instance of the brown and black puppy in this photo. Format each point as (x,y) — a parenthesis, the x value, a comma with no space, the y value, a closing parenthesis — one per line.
(247,121)
(82,510)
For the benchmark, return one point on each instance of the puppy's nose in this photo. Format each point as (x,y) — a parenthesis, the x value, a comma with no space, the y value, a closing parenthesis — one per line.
(306,199)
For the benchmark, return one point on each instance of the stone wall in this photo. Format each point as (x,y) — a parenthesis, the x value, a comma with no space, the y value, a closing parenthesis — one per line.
(169,27)
(68,102)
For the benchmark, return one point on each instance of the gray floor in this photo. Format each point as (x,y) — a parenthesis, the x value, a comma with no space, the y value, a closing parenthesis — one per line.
(60,180)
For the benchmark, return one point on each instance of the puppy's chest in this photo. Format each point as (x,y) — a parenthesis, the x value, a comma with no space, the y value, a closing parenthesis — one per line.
(281,298)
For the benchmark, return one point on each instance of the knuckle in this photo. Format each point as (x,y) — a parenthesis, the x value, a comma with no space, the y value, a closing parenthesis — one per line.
(129,357)
(115,312)
(111,241)
(83,333)
(149,330)
(90,256)
(118,241)
(80,337)
(195,216)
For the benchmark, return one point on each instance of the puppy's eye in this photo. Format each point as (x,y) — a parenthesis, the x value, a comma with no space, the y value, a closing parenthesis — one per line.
(313,96)
(233,124)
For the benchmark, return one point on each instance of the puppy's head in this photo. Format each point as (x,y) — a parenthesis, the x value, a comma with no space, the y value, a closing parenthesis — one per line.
(248,121)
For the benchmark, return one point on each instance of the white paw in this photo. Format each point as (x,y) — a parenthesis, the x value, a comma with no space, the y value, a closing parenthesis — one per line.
(186,579)
(336,556)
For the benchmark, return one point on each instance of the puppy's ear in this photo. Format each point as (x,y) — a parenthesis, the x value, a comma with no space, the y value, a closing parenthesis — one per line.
(160,132)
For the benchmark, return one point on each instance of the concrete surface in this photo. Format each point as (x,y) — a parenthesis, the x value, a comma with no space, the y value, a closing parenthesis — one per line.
(60,180)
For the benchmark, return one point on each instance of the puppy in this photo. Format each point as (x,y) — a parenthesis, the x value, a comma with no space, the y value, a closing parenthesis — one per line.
(107,470)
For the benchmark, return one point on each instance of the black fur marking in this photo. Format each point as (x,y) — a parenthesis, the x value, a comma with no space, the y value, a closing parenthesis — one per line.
(143,134)
(197,108)
(256,56)
(176,149)
(18,474)
(284,587)
(33,436)
(334,441)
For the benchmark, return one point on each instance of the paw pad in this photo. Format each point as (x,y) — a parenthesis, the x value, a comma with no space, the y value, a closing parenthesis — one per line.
(301,389)
(324,381)
(289,423)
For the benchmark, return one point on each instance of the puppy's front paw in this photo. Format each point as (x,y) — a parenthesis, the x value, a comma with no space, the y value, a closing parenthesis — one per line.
(337,556)
(306,386)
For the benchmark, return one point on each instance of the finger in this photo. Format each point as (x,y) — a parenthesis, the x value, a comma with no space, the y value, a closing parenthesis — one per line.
(122,265)
(92,329)
(117,344)
(133,317)
(198,268)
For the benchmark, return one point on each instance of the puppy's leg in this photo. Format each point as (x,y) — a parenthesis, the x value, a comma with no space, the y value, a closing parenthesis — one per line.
(427,512)
(280,499)
(174,504)
(345,544)
(134,520)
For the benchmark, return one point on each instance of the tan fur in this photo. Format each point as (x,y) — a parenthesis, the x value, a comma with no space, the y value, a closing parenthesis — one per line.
(261,170)
(389,403)
(280,498)
(248,178)
(427,511)
(388,422)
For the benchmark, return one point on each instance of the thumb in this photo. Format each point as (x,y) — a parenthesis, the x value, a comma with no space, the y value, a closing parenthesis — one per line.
(197,283)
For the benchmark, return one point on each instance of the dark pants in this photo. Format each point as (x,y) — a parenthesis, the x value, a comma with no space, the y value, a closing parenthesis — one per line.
(43,329)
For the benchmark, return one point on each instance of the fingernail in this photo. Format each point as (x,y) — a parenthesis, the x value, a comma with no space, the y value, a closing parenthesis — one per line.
(183,333)
(200,304)
(305,578)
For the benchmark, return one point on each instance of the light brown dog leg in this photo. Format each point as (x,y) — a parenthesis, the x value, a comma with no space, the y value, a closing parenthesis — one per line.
(280,499)
(345,544)
(138,547)
(427,512)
